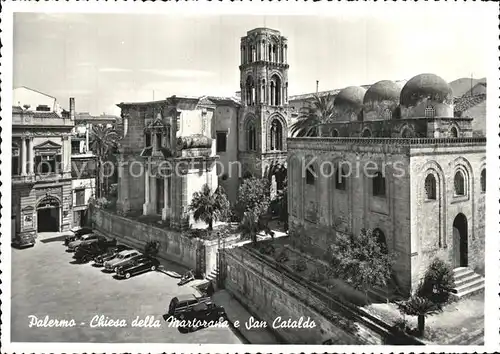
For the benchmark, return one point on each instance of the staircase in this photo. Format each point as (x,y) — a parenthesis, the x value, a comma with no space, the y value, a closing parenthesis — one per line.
(467,282)
(213,275)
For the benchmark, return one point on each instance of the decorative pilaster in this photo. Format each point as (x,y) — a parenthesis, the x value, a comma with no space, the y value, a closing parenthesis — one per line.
(23,156)
(166,196)
(145,207)
(66,153)
(31,156)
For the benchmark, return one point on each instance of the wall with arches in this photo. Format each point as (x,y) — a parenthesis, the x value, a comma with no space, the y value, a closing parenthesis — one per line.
(432,221)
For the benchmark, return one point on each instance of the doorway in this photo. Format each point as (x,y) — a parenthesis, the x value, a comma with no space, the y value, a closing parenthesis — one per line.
(460,241)
(48,218)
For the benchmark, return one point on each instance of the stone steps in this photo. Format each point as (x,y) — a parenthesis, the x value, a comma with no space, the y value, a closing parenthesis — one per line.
(467,283)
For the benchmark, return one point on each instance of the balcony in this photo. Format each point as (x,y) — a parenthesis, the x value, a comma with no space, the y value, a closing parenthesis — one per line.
(42,177)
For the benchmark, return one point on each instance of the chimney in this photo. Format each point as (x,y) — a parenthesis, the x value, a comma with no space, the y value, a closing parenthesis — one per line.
(72,108)
(317,86)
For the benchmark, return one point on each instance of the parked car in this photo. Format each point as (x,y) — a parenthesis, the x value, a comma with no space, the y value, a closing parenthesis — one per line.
(77,234)
(121,259)
(23,241)
(91,238)
(137,265)
(201,312)
(186,278)
(111,253)
(183,303)
(87,252)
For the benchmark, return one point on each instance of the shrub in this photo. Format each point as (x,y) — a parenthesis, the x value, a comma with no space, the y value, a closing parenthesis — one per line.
(437,283)
(267,249)
(152,248)
(253,197)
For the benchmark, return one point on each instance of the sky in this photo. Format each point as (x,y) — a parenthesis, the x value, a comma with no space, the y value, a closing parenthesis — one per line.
(105,59)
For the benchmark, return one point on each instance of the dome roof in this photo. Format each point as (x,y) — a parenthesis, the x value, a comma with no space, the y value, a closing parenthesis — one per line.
(384,90)
(423,86)
(350,97)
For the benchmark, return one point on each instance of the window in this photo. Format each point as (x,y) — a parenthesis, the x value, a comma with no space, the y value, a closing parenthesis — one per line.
(406,133)
(148,139)
(75,147)
(335,133)
(221,141)
(251,137)
(43,108)
(459,183)
(483,180)
(387,114)
(430,112)
(378,185)
(15,161)
(310,176)
(340,179)
(47,163)
(80,196)
(159,140)
(366,133)
(430,187)
(276,135)
(454,132)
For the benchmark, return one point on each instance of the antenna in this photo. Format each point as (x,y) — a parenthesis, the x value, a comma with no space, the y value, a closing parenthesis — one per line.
(317,86)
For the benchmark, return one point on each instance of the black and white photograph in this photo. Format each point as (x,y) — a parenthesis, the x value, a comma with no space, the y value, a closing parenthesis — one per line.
(260,180)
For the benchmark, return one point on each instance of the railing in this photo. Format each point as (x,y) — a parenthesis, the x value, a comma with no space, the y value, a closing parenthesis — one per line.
(387,141)
(348,310)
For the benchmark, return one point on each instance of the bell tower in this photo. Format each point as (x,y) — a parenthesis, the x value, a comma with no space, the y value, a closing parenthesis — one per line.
(264,118)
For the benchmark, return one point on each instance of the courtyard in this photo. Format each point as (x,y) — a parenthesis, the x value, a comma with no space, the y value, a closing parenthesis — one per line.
(46,282)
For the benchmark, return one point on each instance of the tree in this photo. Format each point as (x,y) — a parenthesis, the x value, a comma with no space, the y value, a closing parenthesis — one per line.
(103,140)
(311,118)
(249,227)
(418,306)
(437,283)
(209,207)
(253,196)
(361,261)
(281,205)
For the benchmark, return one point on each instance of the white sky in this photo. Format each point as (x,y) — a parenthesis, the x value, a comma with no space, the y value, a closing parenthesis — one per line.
(104,59)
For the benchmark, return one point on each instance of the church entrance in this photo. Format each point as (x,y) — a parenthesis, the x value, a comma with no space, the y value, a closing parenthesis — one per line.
(460,241)
(48,219)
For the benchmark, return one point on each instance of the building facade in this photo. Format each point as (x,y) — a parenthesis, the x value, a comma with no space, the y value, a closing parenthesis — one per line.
(167,153)
(397,161)
(41,165)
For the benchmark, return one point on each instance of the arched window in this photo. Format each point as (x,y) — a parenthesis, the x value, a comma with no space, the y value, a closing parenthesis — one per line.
(387,114)
(430,112)
(276,135)
(378,184)
(270,52)
(430,187)
(454,132)
(459,183)
(366,133)
(250,91)
(335,133)
(276,91)
(310,176)
(251,137)
(483,180)
(340,179)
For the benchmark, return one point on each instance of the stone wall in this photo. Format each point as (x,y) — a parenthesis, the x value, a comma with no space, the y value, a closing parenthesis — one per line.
(173,245)
(269,293)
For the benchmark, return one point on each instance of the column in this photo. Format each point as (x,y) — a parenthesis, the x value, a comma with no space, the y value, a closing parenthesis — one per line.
(146,191)
(87,129)
(31,156)
(253,95)
(286,50)
(23,156)
(166,194)
(66,154)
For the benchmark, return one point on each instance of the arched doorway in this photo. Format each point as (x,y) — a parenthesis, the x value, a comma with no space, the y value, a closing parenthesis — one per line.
(379,234)
(48,214)
(460,241)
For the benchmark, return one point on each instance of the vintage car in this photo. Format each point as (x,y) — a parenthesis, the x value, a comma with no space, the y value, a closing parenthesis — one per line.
(77,234)
(137,265)
(110,254)
(186,278)
(195,312)
(24,241)
(88,239)
(121,259)
(87,252)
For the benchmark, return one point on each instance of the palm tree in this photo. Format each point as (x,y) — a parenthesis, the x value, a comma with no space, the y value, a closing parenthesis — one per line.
(421,307)
(249,227)
(208,207)
(311,118)
(103,140)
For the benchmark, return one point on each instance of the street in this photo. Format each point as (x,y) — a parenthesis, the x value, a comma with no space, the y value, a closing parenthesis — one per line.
(46,282)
